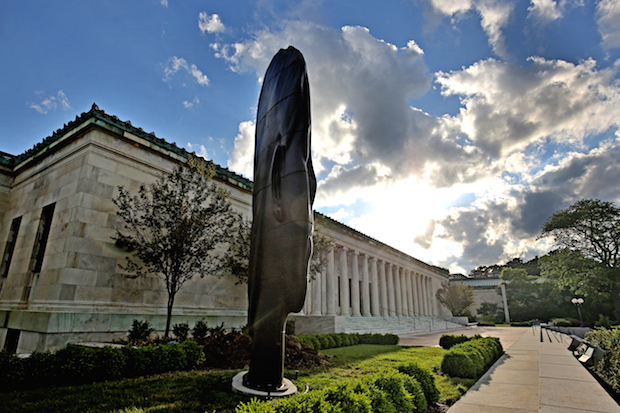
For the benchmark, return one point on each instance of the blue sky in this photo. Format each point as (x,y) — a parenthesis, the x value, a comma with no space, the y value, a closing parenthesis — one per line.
(449,129)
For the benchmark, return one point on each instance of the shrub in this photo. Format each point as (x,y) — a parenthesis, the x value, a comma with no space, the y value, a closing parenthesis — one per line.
(521,324)
(140,331)
(472,358)
(603,321)
(350,396)
(80,365)
(402,390)
(337,339)
(425,378)
(181,331)
(200,330)
(447,341)
(561,322)
(609,367)
(217,331)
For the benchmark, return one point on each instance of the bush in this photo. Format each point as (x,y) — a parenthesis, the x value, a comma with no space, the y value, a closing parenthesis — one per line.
(603,321)
(447,341)
(402,390)
(609,367)
(217,331)
(425,378)
(181,331)
(521,324)
(561,322)
(200,330)
(140,331)
(74,365)
(472,358)
(386,392)
(335,340)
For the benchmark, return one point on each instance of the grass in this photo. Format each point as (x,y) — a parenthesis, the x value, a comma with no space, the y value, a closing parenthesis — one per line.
(201,391)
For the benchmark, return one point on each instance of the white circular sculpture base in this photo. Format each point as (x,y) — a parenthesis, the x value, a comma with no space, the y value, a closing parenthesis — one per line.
(288,388)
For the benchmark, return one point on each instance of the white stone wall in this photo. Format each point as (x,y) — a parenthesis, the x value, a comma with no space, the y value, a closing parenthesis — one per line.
(81,294)
(80,290)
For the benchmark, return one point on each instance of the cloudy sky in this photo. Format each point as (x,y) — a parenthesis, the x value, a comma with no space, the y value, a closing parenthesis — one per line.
(449,129)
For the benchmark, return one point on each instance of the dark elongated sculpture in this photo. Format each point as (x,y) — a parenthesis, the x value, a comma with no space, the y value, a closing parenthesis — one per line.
(284,189)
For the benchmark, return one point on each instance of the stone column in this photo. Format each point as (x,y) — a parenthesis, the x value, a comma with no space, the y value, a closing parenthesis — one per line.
(344,283)
(409,293)
(403,286)
(425,291)
(374,276)
(391,292)
(384,294)
(397,290)
(316,295)
(331,285)
(355,284)
(365,287)
(418,289)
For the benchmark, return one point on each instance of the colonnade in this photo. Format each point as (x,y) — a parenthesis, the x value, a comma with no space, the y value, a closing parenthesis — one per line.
(359,285)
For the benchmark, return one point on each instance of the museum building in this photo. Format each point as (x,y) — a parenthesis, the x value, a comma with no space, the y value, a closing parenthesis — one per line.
(60,279)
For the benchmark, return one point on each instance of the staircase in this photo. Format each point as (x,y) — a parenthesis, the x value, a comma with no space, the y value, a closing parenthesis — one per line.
(397,325)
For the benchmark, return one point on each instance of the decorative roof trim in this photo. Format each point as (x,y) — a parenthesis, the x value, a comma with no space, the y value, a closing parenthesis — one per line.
(99,117)
(325,220)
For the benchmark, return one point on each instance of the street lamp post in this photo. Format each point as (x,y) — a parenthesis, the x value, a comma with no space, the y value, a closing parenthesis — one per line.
(578,302)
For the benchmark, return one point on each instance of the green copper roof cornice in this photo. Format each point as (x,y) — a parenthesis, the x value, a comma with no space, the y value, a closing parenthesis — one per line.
(101,118)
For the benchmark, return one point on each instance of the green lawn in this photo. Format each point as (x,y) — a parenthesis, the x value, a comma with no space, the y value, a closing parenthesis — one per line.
(201,391)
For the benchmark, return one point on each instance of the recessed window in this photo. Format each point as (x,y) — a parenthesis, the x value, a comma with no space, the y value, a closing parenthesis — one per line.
(10,247)
(43,233)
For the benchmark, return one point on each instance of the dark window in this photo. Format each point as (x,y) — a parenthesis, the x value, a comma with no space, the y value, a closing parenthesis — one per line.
(43,233)
(10,247)
(12,340)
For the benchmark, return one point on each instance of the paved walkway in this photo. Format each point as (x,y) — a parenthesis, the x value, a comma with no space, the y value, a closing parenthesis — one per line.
(532,377)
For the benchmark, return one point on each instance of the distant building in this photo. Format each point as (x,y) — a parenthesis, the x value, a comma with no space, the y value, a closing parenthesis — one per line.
(59,278)
(485,290)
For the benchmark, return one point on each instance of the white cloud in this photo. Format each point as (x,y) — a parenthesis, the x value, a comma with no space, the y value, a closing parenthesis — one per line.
(242,157)
(200,150)
(494,16)
(48,103)
(164,3)
(210,24)
(608,14)
(545,10)
(370,145)
(507,107)
(175,64)
(190,104)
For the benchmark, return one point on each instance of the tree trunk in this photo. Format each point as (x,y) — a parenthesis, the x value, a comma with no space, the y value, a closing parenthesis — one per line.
(615,296)
(169,315)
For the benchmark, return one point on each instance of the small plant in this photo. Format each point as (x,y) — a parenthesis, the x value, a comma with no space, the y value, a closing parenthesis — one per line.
(181,331)
(140,331)
(217,331)
(200,330)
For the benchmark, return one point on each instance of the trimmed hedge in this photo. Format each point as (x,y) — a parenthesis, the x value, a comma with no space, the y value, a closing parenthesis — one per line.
(335,340)
(389,391)
(75,365)
(425,378)
(472,358)
(608,368)
(447,341)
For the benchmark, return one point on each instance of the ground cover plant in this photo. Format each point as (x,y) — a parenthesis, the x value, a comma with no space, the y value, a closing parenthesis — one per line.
(209,390)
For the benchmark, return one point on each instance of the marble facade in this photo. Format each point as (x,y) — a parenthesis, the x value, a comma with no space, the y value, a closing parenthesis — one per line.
(59,276)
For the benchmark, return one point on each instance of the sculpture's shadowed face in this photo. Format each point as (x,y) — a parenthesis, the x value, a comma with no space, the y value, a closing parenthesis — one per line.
(284,188)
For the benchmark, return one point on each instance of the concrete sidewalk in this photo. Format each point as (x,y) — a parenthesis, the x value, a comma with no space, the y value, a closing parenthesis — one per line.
(536,377)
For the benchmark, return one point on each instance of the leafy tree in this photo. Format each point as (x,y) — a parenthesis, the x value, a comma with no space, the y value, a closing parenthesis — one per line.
(587,234)
(456,297)
(237,258)
(174,226)
(530,297)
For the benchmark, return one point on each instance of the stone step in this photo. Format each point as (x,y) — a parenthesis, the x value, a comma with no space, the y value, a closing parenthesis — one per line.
(397,325)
